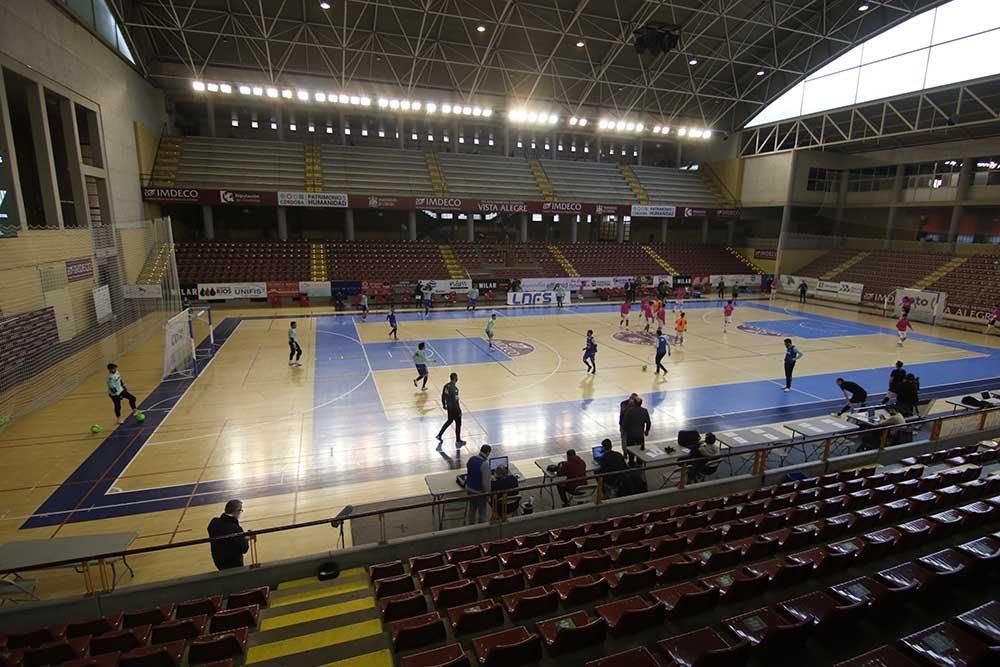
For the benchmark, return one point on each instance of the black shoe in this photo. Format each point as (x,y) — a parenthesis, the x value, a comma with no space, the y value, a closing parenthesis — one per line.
(459,444)
(439,438)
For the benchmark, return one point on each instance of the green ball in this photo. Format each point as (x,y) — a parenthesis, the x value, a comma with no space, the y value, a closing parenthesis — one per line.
(140,417)
(96,428)
(644,368)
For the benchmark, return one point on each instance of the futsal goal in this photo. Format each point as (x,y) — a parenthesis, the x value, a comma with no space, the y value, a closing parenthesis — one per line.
(180,351)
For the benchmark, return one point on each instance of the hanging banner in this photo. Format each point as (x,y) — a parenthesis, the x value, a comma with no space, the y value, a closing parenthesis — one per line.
(79,269)
(448,286)
(743,280)
(653,211)
(790,284)
(142,291)
(314,199)
(315,287)
(102,304)
(495,284)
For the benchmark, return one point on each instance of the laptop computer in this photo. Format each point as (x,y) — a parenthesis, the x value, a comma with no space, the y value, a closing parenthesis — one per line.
(597,452)
(498,461)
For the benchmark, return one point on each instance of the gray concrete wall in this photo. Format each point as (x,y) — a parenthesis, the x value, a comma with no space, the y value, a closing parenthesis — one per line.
(43,42)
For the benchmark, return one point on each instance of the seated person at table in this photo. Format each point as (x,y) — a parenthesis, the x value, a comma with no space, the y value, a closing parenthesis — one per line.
(871,439)
(854,393)
(705,449)
(574,469)
(625,482)
(503,480)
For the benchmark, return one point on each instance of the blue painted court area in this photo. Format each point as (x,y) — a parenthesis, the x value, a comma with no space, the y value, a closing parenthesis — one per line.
(813,327)
(348,410)
(393,355)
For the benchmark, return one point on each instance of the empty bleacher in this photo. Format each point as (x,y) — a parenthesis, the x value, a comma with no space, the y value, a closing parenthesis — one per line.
(240,164)
(219,261)
(976,283)
(882,271)
(488,177)
(608,259)
(675,186)
(693,259)
(382,171)
(385,260)
(588,181)
(826,263)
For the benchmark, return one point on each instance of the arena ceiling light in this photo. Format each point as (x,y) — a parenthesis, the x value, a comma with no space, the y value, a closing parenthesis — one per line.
(198,86)
(620,125)
(531,117)
(578,122)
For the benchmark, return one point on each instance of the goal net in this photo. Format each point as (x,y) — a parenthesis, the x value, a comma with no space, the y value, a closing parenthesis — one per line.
(919,305)
(180,350)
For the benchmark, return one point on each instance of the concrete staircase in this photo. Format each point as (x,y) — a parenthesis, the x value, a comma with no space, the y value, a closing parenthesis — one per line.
(313,158)
(659,260)
(168,157)
(756,270)
(634,183)
(940,272)
(317,262)
(542,180)
(451,262)
(566,265)
(844,266)
(438,181)
(155,267)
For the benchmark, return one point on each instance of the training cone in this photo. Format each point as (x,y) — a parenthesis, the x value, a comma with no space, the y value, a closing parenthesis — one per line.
(140,417)
(96,428)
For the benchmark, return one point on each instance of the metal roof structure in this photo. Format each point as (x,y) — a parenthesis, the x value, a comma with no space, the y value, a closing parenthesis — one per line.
(735,56)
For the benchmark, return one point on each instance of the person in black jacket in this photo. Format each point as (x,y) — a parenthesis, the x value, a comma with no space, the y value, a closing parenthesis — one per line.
(636,423)
(228,553)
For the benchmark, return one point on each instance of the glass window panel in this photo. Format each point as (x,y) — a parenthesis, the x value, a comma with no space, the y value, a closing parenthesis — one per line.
(960,18)
(908,36)
(788,105)
(830,92)
(963,60)
(105,21)
(123,45)
(892,77)
(850,59)
(84,9)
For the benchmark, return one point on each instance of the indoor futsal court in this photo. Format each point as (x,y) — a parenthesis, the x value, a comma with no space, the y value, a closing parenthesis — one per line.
(349,427)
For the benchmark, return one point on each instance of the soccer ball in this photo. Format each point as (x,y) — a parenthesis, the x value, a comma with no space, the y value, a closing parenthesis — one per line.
(644,368)
(140,417)
(96,428)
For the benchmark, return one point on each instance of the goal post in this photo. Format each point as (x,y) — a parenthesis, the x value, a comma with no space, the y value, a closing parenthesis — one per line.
(180,351)
(923,305)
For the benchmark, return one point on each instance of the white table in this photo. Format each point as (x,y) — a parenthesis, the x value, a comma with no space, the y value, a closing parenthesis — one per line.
(957,405)
(747,438)
(830,427)
(26,555)
(443,484)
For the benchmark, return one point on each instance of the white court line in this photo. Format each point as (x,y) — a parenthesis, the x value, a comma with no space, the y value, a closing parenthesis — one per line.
(181,398)
(371,371)
(533,384)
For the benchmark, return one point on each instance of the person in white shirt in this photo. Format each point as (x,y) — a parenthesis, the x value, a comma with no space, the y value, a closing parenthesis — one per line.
(117,391)
(490,323)
(294,349)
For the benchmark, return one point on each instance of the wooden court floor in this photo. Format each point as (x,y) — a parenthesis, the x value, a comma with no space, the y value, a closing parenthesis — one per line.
(349,427)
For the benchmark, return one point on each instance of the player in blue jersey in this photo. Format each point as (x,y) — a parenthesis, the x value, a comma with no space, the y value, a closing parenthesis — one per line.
(391,319)
(662,349)
(590,353)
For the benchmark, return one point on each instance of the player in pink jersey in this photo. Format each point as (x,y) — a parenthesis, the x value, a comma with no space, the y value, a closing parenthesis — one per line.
(661,315)
(625,310)
(727,316)
(647,313)
(994,316)
(679,298)
(901,326)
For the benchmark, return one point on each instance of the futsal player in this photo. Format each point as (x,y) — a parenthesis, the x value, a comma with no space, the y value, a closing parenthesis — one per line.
(364,307)
(662,348)
(647,312)
(473,299)
(590,353)
(854,393)
(792,355)
(428,299)
(681,326)
(625,309)
(451,404)
(901,326)
(560,295)
(896,378)
(661,315)
(391,319)
(117,391)
(294,349)
(679,299)
(727,316)
(490,323)
(420,361)
(994,316)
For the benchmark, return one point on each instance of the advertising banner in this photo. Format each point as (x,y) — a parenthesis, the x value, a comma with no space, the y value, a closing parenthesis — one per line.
(79,269)
(226,291)
(925,306)
(690,212)
(315,287)
(495,284)
(209,196)
(102,303)
(976,314)
(765,253)
(653,211)
(548,284)
(790,284)
(287,288)
(448,286)
(681,281)
(316,199)
(534,298)
(142,291)
(743,280)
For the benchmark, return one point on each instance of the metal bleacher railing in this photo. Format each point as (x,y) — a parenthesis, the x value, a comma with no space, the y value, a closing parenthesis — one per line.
(816,450)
